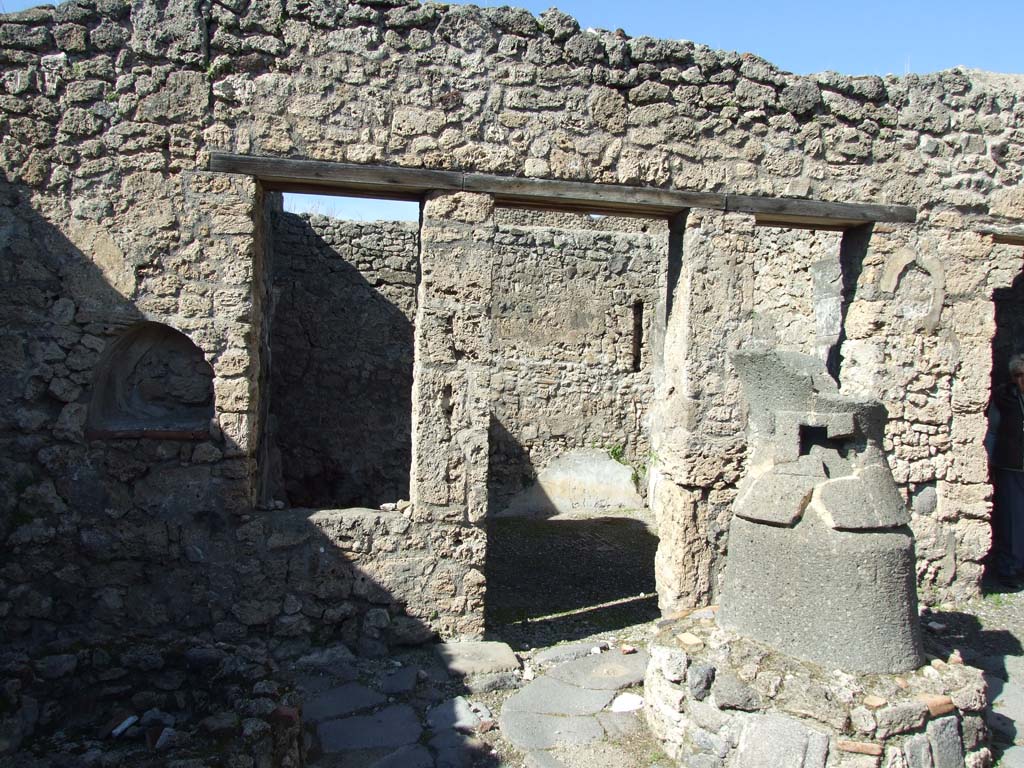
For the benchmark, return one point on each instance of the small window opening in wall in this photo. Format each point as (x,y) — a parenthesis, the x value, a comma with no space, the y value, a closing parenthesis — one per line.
(811,437)
(638,335)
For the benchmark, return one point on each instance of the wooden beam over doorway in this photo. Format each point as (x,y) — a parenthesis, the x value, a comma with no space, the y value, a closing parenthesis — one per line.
(390,182)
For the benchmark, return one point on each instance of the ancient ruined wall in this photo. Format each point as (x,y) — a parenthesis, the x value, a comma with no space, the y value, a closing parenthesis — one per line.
(575,302)
(341,348)
(107,117)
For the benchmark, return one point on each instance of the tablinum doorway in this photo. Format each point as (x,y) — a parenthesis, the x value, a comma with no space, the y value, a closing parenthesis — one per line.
(576,302)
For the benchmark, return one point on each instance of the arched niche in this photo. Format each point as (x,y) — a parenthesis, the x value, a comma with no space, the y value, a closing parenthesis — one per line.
(151,381)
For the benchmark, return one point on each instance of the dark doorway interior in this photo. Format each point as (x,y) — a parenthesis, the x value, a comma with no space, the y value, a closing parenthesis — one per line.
(341,349)
(570,546)
(1007,341)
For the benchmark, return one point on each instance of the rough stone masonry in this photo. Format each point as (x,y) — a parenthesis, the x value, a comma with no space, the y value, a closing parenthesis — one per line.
(110,218)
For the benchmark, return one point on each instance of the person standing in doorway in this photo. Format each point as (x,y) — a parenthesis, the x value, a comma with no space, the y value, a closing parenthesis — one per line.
(1004,442)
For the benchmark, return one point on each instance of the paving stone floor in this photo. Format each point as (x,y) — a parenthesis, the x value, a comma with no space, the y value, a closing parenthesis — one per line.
(465,706)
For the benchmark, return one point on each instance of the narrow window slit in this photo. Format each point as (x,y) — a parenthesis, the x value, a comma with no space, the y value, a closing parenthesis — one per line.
(638,334)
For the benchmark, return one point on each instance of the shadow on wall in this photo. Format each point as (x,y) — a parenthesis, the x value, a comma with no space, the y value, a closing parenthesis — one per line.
(509,466)
(342,365)
(135,575)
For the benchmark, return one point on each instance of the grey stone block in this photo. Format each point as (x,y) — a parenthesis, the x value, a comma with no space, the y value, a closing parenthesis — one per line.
(868,499)
(453,714)
(900,718)
(946,744)
(810,587)
(550,696)
(394,726)
(477,657)
(671,661)
(699,678)
(607,671)
(817,750)
(707,716)
(400,681)
(708,742)
(730,693)
(340,701)
(918,752)
(776,741)
(620,725)
(529,730)
(789,496)
(781,588)
(561,653)
(327,658)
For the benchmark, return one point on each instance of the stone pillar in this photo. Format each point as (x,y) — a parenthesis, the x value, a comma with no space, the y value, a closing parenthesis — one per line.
(222,306)
(451,381)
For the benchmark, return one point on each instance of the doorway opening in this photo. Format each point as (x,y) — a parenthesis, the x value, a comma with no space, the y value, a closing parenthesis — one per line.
(343,274)
(1006,556)
(571,543)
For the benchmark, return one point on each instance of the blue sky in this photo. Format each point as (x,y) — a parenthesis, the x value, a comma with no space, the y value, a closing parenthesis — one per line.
(861,37)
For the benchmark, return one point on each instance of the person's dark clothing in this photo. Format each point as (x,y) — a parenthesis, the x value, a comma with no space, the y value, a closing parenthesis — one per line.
(1006,415)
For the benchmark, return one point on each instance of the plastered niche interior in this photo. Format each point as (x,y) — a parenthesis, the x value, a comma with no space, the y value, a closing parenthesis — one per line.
(151,381)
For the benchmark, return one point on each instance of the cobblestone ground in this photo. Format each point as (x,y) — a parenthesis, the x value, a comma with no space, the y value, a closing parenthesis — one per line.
(569,577)
(577,578)
(560,587)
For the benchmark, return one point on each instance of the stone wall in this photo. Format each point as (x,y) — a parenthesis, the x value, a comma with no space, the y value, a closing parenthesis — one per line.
(341,359)
(575,302)
(108,113)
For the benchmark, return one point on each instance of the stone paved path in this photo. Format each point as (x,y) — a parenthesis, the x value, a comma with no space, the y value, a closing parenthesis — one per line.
(570,706)
(438,708)
(551,707)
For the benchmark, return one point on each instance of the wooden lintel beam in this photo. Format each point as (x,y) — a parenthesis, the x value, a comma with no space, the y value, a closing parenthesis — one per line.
(815,223)
(797,210)
(412,183)
(662,202)
(275,171)
(1004,237)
